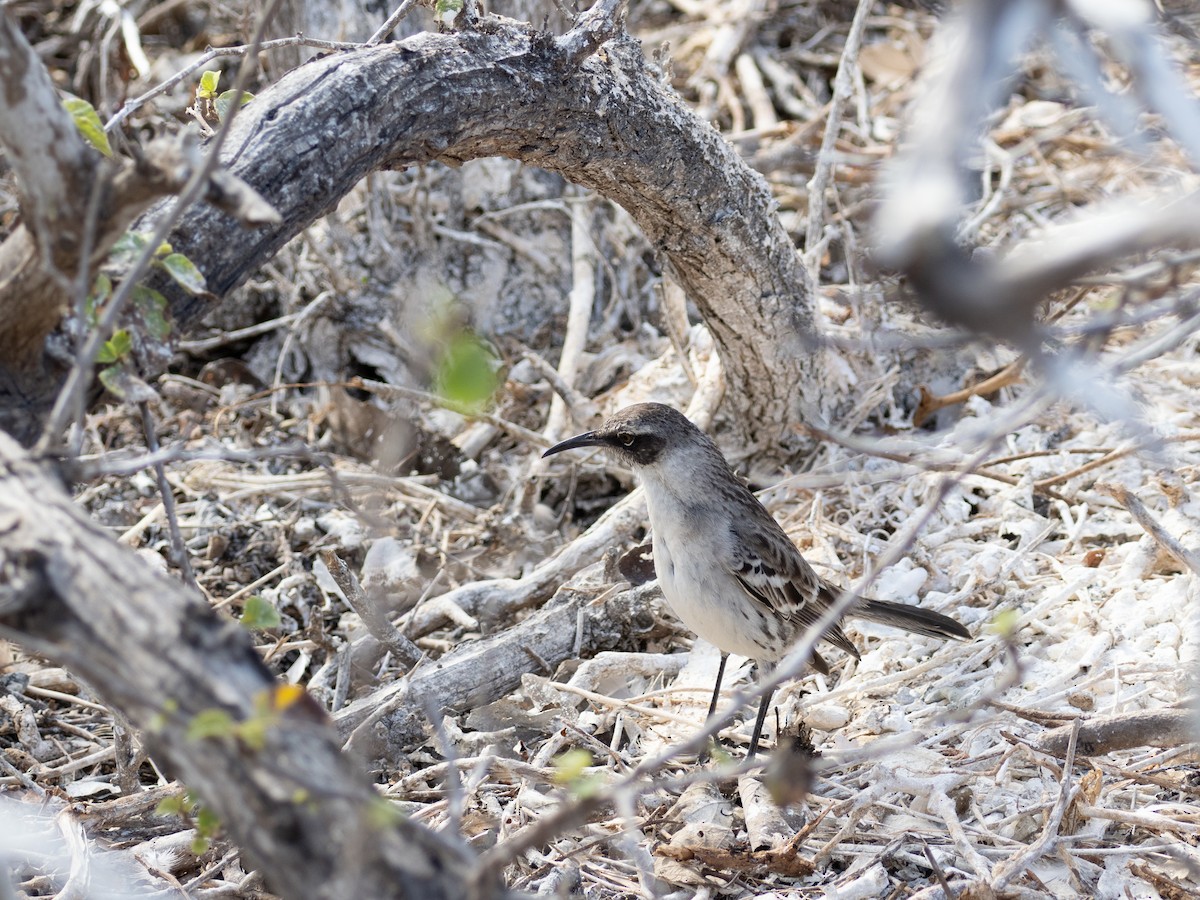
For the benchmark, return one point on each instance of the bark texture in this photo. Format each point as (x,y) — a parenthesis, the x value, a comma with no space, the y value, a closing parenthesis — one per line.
(393,721)
(299,809)
(605,121)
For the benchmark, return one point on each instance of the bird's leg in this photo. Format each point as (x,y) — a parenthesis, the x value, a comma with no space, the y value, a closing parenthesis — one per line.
(714,742)
(712,707)
(758,723)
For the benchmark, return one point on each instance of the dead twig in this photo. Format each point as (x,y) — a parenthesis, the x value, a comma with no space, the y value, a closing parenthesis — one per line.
(1153,527)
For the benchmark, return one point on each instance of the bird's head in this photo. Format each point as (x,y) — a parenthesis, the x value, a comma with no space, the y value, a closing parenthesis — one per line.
(639,436)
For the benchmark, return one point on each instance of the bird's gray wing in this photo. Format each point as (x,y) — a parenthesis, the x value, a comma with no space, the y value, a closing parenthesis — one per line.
(773,573)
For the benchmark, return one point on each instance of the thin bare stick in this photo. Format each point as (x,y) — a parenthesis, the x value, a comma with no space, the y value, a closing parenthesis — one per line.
(579,316)
(1105,734)
(1153,527)
(843,87)
(390,25)
(70,397)
(1010,869)
(368,609)
(178,548)
(132,106)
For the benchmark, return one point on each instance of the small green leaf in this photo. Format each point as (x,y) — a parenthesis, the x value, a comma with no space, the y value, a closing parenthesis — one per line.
(116,347)
(225,101)
(720,756)
(258,613)
(111,379)
(253,732)
(200,845)
(381,813)
(570,766)
(153,308)
(127,249)
(98,296)
(571,771)
(184,272)
(466,374)
(163,249)
(207,821)
(210,723)
(208,84)
(447,10)
(122,383)
(88,122)
(171,806)
(1005,623)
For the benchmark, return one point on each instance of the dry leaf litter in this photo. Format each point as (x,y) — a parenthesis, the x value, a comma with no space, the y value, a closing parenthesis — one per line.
(929,764)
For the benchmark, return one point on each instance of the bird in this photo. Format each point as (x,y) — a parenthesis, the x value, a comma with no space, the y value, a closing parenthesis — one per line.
(725,565)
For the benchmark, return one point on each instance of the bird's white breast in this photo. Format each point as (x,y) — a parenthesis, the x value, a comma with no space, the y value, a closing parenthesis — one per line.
(692,553)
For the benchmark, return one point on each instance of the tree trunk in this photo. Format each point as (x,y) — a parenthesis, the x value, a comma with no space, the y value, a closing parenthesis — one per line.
(299,809)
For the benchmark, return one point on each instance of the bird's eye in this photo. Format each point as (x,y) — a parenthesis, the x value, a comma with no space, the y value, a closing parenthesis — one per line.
(625,438)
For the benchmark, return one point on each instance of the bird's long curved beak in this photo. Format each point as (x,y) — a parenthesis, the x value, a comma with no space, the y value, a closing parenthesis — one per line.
(587,439)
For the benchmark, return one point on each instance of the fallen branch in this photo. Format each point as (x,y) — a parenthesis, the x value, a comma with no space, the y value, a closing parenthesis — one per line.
(392,721)
(1158,728)
(299,809)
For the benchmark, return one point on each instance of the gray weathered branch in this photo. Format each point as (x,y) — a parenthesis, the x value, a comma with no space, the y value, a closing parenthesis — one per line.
(606,122)
(297,807)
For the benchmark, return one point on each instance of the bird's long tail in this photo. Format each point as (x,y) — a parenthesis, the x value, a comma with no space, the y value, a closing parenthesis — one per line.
(910,618)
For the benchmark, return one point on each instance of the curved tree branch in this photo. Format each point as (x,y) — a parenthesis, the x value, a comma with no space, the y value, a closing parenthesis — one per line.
(606,122)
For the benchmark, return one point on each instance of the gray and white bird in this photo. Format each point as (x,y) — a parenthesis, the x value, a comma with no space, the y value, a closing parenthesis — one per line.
(725,566)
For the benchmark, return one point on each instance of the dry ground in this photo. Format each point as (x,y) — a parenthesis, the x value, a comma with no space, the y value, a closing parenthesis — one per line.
(935,760)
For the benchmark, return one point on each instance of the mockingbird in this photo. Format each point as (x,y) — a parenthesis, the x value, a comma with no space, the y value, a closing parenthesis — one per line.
(725,566)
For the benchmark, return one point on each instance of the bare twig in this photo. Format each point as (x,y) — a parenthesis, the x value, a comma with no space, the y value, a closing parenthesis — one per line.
(178,547)
(600,24)
(368,609)
(1153,527)
(1007,871)
(843,85)
(1106,734)
(70,396)
(243,50)
(392,21)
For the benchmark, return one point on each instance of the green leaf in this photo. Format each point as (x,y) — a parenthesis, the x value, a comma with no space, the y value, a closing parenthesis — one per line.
(200,845)
(116,347)
(571,771)
(184,272)
(258,613)
(101,291)
(210,723)
(1005,623)
(88,122)
(253,732)
(467,373)
(171,806)
(225,101)
(127,249)
(447,10)
(381,813)
(571,766)
(153,308)
(111,379)
(121,382)
(208,84)
(207,821)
